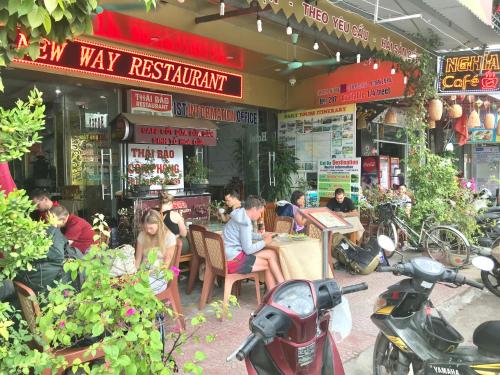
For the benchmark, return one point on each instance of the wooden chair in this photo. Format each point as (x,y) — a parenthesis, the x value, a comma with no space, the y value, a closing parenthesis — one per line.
(284,224)
(270,216)
(172,292)
(323,201)
(30,311)
(216,258)
(195,238)
(313,231)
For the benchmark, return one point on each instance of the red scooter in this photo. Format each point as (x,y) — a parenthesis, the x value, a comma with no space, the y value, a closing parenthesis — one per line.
(290,330)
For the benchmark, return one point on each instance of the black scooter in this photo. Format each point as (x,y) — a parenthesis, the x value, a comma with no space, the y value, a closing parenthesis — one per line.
(412,337)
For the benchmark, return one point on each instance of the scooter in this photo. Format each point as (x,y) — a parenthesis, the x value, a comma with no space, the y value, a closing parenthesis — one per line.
(290,330)
(411,336)
(490,274)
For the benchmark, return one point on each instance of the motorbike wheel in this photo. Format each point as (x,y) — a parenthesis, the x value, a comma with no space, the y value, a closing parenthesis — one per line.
(491,279)
(386,359)
(388,228)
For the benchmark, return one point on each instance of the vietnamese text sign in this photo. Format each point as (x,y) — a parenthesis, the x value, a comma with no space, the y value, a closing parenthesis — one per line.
(152,103)
(339,173)
(101,60)
(469,72)
(163,135)
(208,112)
(139,154)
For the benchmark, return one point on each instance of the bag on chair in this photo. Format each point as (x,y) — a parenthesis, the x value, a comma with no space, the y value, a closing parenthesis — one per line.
(355,258)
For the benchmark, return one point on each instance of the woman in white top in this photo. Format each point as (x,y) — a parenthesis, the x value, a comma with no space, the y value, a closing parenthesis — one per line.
(155,236)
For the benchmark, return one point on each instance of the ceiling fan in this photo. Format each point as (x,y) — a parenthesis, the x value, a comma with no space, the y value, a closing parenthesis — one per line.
(292,65)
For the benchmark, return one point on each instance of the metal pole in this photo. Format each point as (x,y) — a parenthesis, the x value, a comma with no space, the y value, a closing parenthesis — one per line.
(325,253)
(375,14)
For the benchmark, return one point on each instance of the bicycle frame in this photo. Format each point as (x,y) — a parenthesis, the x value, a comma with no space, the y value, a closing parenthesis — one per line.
(414,237)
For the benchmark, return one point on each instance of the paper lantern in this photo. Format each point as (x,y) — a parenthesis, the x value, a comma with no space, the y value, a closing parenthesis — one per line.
(361,123)
(435,109)
(470,98)
(486,104)
(453,98)
(455,111)
(391,117)
(461,98)
(493,107)
(432,124)
(473,120)
(489,121)
(478,103)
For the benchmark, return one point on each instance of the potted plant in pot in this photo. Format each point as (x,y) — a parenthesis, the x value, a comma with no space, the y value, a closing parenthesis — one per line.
(197,175)
(170,178)
(141,176)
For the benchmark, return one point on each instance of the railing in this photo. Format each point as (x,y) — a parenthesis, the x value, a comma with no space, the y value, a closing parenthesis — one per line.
(495,21)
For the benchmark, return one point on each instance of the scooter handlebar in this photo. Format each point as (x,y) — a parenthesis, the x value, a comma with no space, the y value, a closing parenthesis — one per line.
(247,347)
(474,284)
(354,288)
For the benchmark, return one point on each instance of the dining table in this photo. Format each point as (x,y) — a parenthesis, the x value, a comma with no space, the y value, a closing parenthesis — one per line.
(300,257)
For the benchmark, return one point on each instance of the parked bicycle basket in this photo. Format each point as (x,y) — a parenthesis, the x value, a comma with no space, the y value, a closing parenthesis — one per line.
(385,211)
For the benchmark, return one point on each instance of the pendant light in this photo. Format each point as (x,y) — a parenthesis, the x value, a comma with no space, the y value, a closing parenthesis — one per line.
(259,24)
(393,70)
(391,117)
(375,65)
(358,58)
(405,80)
(316,45)
(337,56)
(222,8)
(289,30)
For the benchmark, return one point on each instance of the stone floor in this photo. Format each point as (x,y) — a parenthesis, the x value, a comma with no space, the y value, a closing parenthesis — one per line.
(230,333)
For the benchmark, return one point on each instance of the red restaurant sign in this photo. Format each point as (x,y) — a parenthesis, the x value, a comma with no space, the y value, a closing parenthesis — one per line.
(160,135)
(152,103)
(101,60)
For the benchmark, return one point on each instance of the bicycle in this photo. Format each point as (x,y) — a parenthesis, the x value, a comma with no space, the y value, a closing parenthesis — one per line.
(442,243)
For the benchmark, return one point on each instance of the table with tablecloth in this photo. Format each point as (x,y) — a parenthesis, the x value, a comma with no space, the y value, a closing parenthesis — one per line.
(299,259)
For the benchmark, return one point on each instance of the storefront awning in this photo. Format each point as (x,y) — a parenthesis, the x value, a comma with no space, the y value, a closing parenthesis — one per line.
(171,122)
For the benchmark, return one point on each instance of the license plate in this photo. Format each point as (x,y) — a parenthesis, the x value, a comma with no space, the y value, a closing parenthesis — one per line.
(305,354)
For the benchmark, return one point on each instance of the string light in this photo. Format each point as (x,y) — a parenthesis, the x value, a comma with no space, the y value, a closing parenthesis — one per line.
(289,30)
(316,45)
(393,70)
(358,58)
(337,56)
(222,8)
(375,65)
(259,24)
(405,80)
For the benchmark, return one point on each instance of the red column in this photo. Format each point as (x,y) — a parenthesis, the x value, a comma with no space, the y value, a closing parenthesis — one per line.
(6,182)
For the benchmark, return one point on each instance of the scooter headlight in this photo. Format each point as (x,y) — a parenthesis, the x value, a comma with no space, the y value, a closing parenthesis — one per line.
(297,297)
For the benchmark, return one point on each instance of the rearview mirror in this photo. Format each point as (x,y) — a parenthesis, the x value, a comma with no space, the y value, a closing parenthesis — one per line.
(483,263)
(386,243)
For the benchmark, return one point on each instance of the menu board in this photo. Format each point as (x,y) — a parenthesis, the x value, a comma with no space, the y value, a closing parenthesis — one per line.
(323,217)
(339,173)
(319,134)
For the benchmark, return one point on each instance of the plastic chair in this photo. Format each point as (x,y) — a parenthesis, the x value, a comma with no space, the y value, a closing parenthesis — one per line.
(30,311)
(172,292)
(216,258)
(284,224)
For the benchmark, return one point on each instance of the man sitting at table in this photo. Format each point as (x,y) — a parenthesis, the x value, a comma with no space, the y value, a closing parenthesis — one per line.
(342,205)
(243,255)
(43,204)
(232,199)
(77,230)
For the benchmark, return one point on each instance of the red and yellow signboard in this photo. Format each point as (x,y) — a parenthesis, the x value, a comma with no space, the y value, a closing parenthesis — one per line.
(101,60)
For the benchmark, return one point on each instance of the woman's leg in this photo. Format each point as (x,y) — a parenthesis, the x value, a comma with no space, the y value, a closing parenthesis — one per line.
(262,264)
(272,259)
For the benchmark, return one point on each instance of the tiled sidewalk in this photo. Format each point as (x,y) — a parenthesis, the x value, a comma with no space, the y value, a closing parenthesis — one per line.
(230,333)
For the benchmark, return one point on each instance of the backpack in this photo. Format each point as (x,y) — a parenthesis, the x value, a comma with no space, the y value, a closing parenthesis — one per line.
(357,259)
(285,210)
(71,252)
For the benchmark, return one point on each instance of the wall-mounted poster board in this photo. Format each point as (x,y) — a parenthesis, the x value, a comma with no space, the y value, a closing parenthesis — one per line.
(339,173)
(319,134)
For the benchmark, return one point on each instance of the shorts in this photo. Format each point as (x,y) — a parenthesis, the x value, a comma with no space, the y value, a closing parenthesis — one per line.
(242,263)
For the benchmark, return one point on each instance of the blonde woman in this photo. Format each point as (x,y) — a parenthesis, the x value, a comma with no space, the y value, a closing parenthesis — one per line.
(155,236)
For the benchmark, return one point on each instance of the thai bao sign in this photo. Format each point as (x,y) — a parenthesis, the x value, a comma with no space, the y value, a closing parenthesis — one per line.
(150,103)
(339,173)
(469,72)
(100,60)
(349,26)
(208,112)
(165,135)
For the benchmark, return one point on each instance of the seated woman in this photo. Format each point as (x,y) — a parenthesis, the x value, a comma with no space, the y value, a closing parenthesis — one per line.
(155,236)
(298,201)
(243,255)
(173,220)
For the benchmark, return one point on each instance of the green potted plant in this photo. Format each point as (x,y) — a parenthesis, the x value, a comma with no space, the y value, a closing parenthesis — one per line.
(169,177)
(141,176)
(197,175)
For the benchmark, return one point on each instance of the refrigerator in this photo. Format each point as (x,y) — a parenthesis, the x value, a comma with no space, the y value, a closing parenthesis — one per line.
(381,171)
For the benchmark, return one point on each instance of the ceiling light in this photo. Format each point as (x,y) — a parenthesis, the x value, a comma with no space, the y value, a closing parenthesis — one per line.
(316,46)
(103,97)
(337,56)
(393,70)
(222,8)
(449,147)
(259,24)
(375,65)
(405,80)
(358,58)
(57,91)
(289,30)
(277,69)
(180,1)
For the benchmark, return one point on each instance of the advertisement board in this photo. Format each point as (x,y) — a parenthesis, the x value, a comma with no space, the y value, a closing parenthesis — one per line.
(150,103)
(339,173)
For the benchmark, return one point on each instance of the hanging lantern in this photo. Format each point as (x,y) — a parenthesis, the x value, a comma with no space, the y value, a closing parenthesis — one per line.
(486,104)
(470,98)
(455,111)
(453,98)
(478,103)
(473,120)
(435,109)
(361,121)
(432,124)
(461,98)
(493,107)
(391,117)
(489,121)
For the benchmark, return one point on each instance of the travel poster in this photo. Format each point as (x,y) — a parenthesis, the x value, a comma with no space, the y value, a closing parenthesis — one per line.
(339,173)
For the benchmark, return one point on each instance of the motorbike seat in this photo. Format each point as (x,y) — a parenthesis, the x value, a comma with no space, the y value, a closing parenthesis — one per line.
(487,337)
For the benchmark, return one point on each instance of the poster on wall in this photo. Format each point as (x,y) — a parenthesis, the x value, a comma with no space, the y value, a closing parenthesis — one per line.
(319,134)
(166,166)
(339,173)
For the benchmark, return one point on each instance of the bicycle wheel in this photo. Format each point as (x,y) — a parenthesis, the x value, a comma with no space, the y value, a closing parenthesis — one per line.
(447,246)
(388,229)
